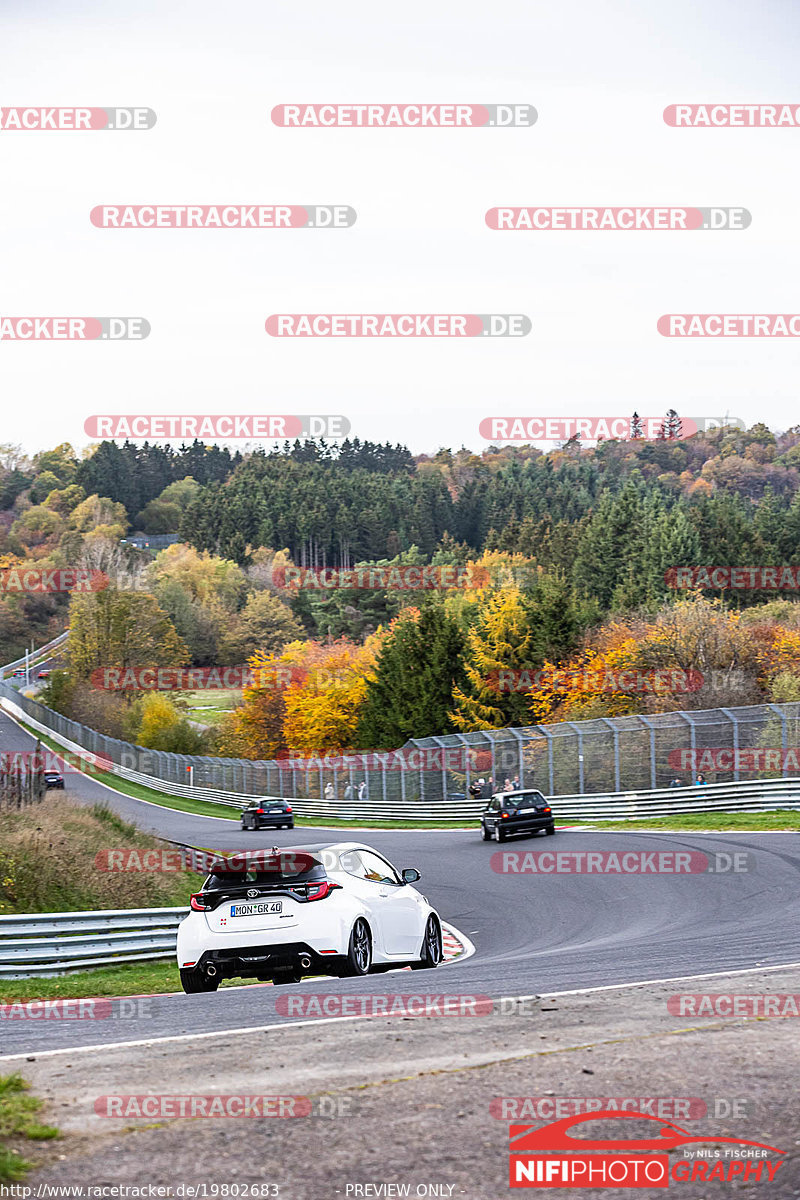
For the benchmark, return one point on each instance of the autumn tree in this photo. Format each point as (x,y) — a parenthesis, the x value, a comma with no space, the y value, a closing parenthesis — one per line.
(121,630)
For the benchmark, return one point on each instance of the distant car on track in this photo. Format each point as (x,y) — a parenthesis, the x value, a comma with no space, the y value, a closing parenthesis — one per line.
(507,813)
(54,779)
(44,675)
(335,909)
(268,814)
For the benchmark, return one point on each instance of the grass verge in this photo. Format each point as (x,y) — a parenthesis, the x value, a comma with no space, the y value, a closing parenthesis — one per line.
(54,858)
(207,808)
(128,979)
(774,819)
(18,1124)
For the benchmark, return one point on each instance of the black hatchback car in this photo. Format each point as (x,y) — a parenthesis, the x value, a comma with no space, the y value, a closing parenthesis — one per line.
(53,779)
(508,813)
(268,814)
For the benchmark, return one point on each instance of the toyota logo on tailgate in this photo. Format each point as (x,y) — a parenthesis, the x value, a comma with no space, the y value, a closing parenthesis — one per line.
(252,893)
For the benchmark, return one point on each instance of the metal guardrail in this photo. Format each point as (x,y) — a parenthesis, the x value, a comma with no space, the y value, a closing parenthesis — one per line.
(36,655)
(50,944)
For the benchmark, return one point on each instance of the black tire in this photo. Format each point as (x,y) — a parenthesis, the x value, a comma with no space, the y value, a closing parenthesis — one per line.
(487,837)
(550,829)
(431,947)
(501,833)
(194,980)
(359,950)
(242,823)
(288,977)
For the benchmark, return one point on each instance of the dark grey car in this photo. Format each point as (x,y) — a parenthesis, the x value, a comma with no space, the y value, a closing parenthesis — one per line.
(510,813)
(268,814)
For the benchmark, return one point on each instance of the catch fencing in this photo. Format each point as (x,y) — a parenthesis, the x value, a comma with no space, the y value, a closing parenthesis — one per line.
(22,780)
(601,756)
(769,791)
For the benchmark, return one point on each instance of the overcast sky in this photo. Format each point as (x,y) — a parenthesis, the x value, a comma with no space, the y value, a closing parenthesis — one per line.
(599,73)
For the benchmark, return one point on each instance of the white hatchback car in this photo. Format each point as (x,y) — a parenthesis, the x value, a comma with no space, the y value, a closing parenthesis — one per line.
(334,909)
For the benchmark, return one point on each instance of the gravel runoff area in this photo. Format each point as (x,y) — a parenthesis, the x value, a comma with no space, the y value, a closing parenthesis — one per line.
(405,1102)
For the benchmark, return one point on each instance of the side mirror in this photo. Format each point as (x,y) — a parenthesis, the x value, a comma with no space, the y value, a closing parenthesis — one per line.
(410,875)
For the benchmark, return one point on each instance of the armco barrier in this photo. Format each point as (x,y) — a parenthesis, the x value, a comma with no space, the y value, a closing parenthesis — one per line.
(37,655)
(49,944)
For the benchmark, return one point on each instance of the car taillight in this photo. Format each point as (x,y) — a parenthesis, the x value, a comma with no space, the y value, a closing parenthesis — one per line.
(503,815)
(548,810)
(259,810)
(288,808)
(318,891)
(198,903)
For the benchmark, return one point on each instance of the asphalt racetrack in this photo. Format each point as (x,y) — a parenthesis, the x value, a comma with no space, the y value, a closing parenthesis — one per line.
(533,933)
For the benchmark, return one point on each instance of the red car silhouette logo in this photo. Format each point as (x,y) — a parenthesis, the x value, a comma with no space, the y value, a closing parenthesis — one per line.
(528,1138)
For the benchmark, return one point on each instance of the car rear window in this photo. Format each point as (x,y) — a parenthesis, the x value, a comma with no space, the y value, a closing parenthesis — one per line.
(290,872)
(526,800)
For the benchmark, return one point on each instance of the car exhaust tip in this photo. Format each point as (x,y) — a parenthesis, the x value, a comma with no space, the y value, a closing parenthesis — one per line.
(211,970)
(305,961)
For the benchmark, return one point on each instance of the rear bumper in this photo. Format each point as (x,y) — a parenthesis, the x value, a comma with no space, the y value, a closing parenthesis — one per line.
(530,825)
(263,961)
(268,948)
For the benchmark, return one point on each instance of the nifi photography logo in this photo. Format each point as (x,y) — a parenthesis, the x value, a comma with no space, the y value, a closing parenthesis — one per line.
(551,1156)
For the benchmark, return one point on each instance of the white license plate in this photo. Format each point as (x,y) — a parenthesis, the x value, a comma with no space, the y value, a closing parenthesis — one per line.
(256,910)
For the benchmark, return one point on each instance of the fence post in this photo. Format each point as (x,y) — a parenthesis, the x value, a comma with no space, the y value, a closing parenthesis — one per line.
(650,727)
(692,737)
(521,762)
(615,733)
(784,736)
(577,729)
(735,725)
